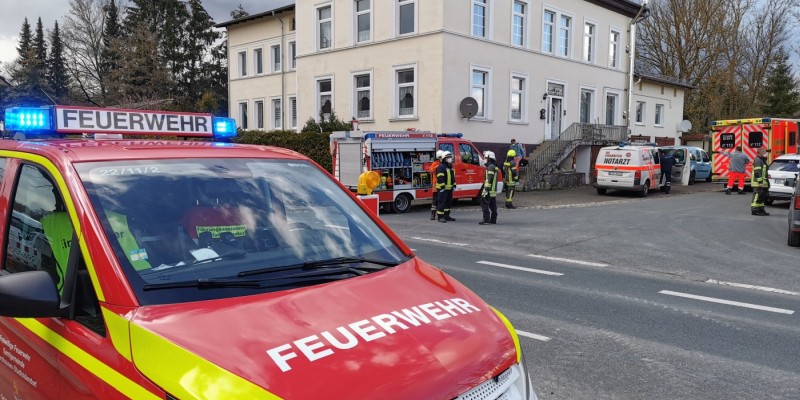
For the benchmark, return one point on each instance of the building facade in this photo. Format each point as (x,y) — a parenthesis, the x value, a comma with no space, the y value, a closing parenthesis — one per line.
(658,109)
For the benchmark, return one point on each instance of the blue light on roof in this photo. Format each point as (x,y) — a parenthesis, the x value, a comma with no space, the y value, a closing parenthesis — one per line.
(28,119)
(224,128)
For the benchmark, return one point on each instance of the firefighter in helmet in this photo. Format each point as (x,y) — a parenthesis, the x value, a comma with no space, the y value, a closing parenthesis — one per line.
(759,183)
(510,177)
(445,184)
(432,169)
(489,190)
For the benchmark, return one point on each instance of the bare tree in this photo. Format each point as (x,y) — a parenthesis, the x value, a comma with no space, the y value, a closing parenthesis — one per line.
(83,40)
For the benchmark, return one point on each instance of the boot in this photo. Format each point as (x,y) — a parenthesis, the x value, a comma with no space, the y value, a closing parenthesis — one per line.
(741,191)
(510,206)
(433,215)
(484,222)
(442,220)
(448,217)
(493,221)
(762,211)
(728,191)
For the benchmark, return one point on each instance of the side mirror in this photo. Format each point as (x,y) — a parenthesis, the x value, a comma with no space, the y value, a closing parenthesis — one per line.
(29,294)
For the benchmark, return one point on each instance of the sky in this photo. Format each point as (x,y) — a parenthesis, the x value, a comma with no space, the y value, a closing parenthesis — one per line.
(14,12)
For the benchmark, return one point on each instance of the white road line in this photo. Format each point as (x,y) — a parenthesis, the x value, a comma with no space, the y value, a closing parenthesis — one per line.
(535,271)
(568,260)
(439,241)
(732,303)
(532,336)
(746,286)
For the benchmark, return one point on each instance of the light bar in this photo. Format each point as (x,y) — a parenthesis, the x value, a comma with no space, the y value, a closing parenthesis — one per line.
(224,128)
(28,119)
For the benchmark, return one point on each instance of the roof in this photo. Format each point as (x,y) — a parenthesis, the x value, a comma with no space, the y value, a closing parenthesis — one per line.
(272,6)
(624,7)
(665,79)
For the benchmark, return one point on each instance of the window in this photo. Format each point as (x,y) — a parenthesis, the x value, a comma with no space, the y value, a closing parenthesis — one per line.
(659,115)
(479,18)
(242,63)
(258,61)
(277,114)
(640,108)
(518,24)
(324,28)
(363,21)
(405,88)
(243,115)
(480,91)
(548,31)
(613,49)
(468,154)
(293,54)
(407,15)
(587,103)
(292,25)
(589,31)
(293,112)
(276,58)
(611,108)
(564,29)
(363,100)
(325,97)
(518,99)
(259,105)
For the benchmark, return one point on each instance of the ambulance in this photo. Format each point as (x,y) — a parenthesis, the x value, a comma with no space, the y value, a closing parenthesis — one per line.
(636,168)
(403,160)
(779,135)
(198,269)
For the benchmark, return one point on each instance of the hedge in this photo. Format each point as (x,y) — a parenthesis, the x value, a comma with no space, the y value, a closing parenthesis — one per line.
(314,145)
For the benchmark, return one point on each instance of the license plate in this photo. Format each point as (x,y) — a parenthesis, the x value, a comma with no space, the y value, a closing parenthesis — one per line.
(779,181)
(615,173)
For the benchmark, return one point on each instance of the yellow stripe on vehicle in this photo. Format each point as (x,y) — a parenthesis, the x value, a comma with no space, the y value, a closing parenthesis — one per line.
(188,375)
(104,372)
(65,193)
(117,327)
(512,331)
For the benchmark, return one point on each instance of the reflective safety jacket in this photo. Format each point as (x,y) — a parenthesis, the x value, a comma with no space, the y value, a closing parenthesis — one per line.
(490,181)
(445,177)
(759,177)
(510,173)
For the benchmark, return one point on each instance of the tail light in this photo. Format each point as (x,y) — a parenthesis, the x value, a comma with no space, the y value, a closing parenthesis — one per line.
(797,202)
(637,175)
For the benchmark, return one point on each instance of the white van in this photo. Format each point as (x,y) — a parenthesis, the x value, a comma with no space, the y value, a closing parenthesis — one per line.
(635,168)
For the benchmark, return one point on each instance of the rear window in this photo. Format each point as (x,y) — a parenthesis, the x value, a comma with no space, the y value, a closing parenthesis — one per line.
(785,165)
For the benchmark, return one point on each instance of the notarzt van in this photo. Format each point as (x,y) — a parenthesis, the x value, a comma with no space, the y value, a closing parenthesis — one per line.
(149,269)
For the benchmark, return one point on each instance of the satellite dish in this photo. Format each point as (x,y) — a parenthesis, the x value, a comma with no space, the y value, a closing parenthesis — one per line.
(468,107)
(685,126)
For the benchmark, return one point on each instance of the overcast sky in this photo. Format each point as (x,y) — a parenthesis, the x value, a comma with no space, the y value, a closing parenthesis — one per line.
(12,13)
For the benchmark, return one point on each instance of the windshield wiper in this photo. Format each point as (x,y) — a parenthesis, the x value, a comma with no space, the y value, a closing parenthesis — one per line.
(206,283)
(323,263)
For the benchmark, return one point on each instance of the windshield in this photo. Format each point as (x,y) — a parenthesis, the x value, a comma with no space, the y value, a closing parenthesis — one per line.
(177,225)
(784,165)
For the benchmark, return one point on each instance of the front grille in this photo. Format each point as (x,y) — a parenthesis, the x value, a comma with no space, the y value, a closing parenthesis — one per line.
(500,387)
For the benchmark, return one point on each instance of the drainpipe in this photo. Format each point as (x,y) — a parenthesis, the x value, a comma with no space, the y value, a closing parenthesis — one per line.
(632,58)
(283,73)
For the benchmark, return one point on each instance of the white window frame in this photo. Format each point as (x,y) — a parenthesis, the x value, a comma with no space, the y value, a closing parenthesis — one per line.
(553,31)
(276,60)
(356,14)
(614,48)
(276,119)
(242,60)
(568,30)
(592,105)
(487,18)
(259,119)
(319,22)
(354,79)
(523,98)
(258,61)
(318,94)
(659,116)
(640,114)
(617,107)
(395,103)
(487,90)
(399,3)
(293,55)
(292,112)
(590,41)
(243,115)
(525,22)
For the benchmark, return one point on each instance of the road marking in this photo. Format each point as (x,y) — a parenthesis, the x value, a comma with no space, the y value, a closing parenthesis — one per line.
(532,336)
(535,271)
(746,286)
(439,241)
(568,260)
(728,302)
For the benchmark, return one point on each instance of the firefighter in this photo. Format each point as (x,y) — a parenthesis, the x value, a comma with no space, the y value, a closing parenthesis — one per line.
(432,170)
(759,183)
(667,161)
(489,190)
(445,184)
(510,177)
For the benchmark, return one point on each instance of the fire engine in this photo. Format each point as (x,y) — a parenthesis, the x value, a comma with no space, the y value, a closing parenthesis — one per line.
(777,134)
(403,160)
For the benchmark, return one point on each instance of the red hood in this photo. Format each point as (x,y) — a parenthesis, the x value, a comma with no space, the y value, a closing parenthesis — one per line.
(255,337)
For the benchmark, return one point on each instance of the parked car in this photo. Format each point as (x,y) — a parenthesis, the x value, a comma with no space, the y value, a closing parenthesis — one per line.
(794,213)
(781,169)
(700,163)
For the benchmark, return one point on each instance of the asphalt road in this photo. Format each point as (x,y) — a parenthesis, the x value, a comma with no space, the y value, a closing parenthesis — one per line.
(681,297)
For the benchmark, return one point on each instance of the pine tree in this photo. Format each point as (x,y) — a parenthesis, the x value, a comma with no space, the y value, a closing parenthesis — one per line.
(39,44)
(199,38)
(26,72)
(239,12)
(112,31)
(781,98)
(24,40)
(57,77)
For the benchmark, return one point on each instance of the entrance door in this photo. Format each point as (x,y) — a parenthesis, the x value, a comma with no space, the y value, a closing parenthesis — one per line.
(555,106)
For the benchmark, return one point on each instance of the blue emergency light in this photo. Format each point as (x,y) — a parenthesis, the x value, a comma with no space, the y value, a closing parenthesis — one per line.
(29,119)
(224,128)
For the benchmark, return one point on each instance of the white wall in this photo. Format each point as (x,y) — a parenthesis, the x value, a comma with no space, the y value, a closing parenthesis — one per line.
(653,93)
